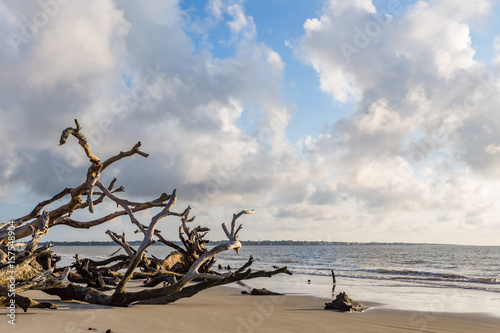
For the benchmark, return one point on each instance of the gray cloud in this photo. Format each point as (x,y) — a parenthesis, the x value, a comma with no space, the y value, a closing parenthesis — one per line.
(421,144)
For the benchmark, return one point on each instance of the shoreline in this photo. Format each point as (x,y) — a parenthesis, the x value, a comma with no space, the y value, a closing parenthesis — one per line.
(385,294)
(225,309)
(403,283)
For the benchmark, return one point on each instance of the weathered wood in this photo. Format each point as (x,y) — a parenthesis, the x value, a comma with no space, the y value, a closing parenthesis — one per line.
(148,235)
(343,303)
(68,221)
(79,293)
(36,211)
(35,267)
(174,258)
(120,240)
(25,303)
(169,243)
(164,278)
(123,298)
(261,292)
(81,140)
(38,233)
(192,290)
(26,266)
(246,265)
(45,280)
(107,261)
(61,215)
(92,278)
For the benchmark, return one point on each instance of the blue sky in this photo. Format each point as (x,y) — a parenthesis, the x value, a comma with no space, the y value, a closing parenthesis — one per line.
(335,120)
(279,23)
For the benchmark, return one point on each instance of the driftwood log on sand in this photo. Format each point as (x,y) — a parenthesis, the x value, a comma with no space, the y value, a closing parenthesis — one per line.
(343,303)
(102,282)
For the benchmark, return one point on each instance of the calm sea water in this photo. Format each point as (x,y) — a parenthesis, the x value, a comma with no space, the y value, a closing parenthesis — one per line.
(429,278)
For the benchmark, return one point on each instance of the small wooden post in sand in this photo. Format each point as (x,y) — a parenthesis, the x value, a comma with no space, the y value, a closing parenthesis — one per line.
(334,283)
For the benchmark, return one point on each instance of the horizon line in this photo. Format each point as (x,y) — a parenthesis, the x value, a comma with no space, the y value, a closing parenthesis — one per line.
(273,242)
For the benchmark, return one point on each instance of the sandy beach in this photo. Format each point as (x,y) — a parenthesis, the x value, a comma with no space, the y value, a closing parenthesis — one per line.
(224,309)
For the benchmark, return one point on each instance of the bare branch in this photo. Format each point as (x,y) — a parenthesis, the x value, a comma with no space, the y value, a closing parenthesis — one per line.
(81,140)
(169,243)
(233,235)
(192,290)
(91,191)
(233,243)
(45,281)
(66,220)
(38,233)
(36,211)
(134,150)
(101,195)
(120,240)
(147,241)
(122,203)
(246,265)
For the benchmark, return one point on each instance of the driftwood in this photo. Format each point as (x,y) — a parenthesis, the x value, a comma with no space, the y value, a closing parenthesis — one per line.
(344,304)
(260,292)
(25,303)
(334,283)
(102,282)
(44,281)
(93,278)
(194,289)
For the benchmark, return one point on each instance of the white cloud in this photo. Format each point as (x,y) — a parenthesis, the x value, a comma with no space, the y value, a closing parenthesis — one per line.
(492,149)
(496,46)
(185,107)
(215,7)
(322,46)
(419,151)
(241,25)
(365,5)
(449,49)
(239,21)
(463,10)
(82,41)
(381,119)
(421,121)
(274,59)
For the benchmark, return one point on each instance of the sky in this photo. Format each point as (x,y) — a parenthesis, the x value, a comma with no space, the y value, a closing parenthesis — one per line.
(335,120)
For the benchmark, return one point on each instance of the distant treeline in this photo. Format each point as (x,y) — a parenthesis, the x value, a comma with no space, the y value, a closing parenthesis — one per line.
(248,242)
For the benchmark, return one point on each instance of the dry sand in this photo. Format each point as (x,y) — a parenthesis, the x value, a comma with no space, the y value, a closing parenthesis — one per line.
(224,309)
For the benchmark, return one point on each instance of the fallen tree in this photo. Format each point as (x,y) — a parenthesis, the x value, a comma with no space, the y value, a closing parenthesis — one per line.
(32,267)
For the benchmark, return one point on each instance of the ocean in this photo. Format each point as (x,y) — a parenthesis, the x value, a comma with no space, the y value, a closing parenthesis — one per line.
(422,278)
